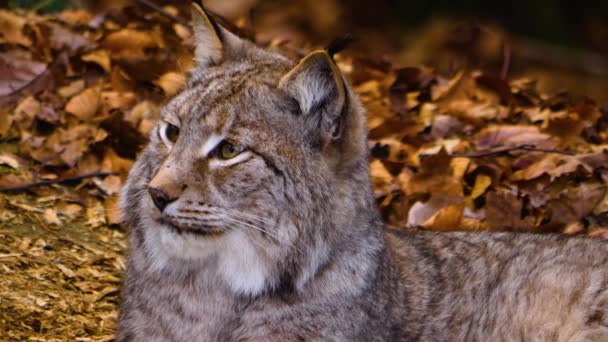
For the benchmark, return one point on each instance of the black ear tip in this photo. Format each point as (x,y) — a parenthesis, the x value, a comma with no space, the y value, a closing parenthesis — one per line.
(339,44)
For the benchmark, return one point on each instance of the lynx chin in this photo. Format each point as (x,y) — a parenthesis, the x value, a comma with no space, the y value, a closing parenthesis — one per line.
(252,219)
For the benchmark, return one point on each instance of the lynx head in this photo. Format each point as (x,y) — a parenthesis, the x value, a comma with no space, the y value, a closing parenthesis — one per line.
(257,167)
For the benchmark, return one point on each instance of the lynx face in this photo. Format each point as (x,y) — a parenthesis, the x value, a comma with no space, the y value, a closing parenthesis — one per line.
(243,166)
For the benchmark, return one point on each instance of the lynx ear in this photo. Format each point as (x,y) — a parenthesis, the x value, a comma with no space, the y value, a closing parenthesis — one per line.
(317,85)
(213,43)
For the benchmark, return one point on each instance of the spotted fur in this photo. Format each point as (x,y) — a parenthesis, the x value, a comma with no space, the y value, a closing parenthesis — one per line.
(283,242)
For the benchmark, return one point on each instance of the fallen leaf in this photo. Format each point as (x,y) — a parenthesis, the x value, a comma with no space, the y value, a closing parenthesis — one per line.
(50,216)
(422,213)
(113,214)
(86,104)
(513,135)
(11,29)
(171,82)
(69,210)
(71,89)
(77,17)
(17,72)
(504,211)
(482,182)
(575,203)
(9,159)
(62,38)
(100,57)
(394,151)
(65,270)
(446,219)
(130,43)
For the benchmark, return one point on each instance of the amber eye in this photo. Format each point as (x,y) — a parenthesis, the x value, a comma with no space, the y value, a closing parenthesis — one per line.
(172,132)
(226,150)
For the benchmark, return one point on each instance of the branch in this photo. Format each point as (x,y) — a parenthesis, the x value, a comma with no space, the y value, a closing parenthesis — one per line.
(22,187)
(508,150)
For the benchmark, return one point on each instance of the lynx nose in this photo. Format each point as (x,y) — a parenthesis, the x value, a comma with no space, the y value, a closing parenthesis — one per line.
(160,198)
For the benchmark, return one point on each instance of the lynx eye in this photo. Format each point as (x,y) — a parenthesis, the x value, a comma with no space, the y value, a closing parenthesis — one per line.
(226,150)
(171,132)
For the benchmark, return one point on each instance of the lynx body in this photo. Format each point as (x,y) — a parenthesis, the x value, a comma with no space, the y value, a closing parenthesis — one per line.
(252,219)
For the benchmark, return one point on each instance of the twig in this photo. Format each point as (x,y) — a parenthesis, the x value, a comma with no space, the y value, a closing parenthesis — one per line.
(56,181)
(162,12)
(10,255)
(507,150)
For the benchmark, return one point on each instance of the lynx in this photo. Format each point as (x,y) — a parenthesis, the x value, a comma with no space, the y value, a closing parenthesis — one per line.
(252,219)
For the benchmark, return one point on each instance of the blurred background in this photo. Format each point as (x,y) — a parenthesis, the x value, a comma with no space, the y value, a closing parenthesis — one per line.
(563,44)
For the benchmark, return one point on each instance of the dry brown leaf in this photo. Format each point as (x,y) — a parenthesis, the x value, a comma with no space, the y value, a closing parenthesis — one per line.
(574,228)
(504,211)
(65,270)
(100,57)
(171,82)
(11,29)
(575,203)
(61,38)
(445,88)
(27,109)
(117,100)
(446,219)
(554,165)
(66,146)
(394,151)
(6,122)
(421,212)
(86,104)
(113,214)
(114,163)
(513,135)
(381,178)
(71,89)
(50,217)
(78,17)
(131,44)
(69,210)
(482,182)
(96,215)
(109,185)
(17,72)
(599,233)
(9,159)
(141,111)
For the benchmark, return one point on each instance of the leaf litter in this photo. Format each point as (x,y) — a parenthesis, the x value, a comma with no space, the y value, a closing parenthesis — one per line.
(80,93)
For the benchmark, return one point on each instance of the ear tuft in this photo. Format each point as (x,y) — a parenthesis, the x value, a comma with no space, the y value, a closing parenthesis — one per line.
(339,44)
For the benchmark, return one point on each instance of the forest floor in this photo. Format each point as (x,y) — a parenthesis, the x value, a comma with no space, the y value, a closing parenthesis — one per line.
(473,150)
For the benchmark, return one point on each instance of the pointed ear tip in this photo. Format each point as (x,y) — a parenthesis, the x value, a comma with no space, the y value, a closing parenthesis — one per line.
(319,54)
(319,57)
(196,8)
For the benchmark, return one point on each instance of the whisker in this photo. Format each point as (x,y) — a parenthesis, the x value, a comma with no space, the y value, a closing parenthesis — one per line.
(236,213)
(248,216)
(273,235)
